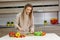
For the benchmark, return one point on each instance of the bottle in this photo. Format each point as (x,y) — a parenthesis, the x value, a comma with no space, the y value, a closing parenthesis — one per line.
(12,24)
(8,24)
(45,22)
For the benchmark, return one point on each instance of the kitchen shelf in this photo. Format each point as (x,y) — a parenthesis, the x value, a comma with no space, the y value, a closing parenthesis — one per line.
(4,26)
(46,24)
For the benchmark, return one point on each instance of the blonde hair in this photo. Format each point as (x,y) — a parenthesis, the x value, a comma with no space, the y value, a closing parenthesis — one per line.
(30,15)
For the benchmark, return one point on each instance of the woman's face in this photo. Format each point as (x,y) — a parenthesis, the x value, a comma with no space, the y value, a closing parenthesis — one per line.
(28,10)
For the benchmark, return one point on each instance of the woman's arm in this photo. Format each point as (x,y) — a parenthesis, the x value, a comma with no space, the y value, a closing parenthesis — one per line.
(32,26)
(32,29)
(17,22)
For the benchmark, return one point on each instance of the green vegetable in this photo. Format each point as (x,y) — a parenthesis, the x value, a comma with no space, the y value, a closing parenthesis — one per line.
(38,33)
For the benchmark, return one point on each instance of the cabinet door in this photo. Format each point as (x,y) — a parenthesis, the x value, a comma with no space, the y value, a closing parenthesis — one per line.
(39,20)
(40,17)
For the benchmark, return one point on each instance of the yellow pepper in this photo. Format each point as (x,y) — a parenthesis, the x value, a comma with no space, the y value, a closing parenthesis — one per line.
(18,34)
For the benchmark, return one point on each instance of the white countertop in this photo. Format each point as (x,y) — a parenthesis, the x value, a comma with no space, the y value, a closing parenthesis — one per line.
(48,36)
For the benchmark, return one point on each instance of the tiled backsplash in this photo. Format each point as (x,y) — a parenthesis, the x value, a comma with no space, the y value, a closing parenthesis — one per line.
(4,18)
(38,17)
(59,17)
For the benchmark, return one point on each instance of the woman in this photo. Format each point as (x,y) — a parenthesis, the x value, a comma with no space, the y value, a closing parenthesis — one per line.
(24,21)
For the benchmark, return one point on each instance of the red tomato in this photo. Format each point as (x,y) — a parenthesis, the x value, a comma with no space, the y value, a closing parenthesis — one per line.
(22,36)
(43,33)
(16,37)
(54,21)
(12,34)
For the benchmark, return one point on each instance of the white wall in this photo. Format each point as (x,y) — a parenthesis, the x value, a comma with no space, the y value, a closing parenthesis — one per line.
(4,18)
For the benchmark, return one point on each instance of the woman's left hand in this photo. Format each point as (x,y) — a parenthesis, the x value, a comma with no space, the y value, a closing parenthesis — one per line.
(32,32)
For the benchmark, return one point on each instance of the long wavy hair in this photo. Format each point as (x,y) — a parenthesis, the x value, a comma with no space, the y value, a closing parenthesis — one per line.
(30,14)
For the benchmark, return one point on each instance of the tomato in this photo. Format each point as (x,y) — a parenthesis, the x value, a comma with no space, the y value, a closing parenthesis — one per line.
(43,33)
(11,34)
(22,35)
(16,35)
(54,21)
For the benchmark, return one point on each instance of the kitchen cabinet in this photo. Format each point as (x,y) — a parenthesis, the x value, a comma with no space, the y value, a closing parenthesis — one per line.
(5,31)
(41,16)
(49,29)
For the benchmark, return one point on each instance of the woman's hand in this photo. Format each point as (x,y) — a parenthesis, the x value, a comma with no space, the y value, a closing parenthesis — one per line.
(32,32)
(20,29)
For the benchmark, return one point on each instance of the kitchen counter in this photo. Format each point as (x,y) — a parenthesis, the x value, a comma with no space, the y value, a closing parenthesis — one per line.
(4,31)
(48,36)
(53,29)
